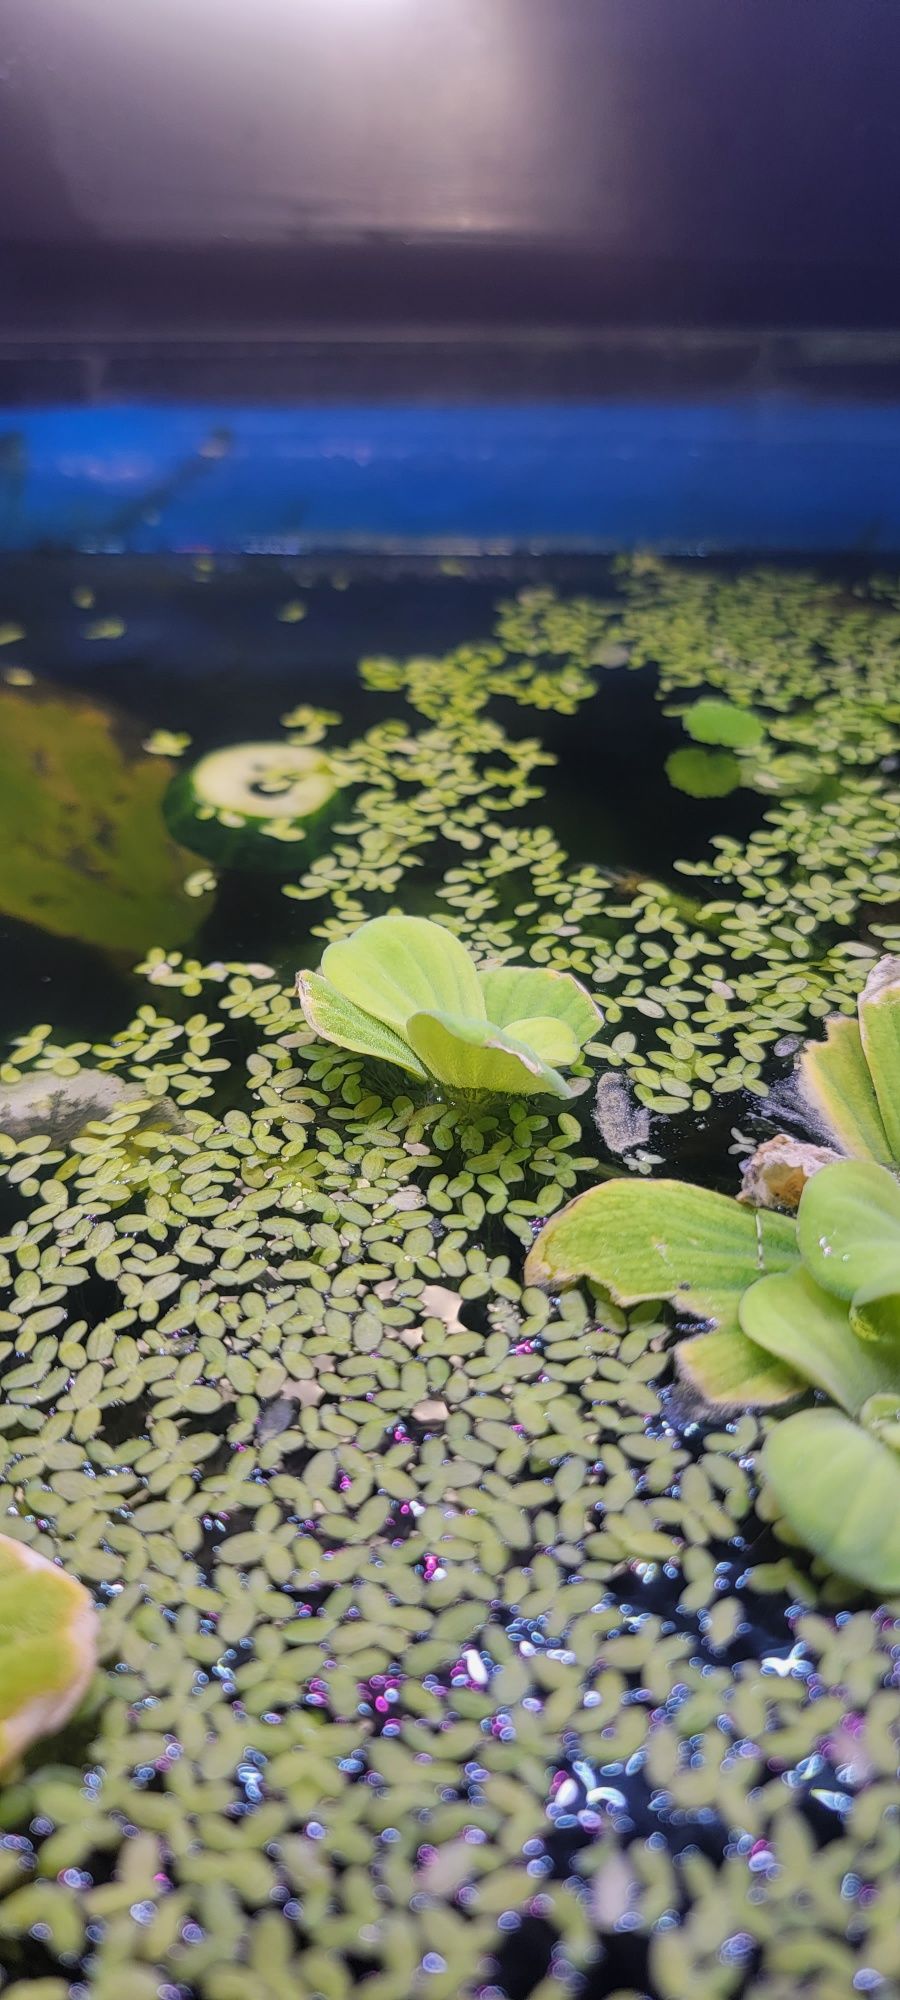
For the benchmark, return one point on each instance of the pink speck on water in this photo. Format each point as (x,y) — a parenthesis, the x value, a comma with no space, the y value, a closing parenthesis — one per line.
(429,1566)
(524,1347)
(381,1705)
(344,1481)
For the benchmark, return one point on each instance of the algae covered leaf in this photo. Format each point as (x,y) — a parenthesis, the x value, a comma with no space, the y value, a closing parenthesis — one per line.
(48,1647)
(663,1240)
(405,990)
(84,850)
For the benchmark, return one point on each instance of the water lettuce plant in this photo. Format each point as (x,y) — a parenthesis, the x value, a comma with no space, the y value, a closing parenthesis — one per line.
(405,990)
(791,1306)
(48,1647)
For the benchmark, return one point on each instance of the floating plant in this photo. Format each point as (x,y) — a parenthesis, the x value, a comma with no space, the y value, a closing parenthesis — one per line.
(406,991)
(246,804)
(427,1612)
(824,1315)
(48,1648)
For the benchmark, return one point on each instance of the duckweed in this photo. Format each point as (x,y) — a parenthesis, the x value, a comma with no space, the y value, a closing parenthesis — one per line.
(445,1652)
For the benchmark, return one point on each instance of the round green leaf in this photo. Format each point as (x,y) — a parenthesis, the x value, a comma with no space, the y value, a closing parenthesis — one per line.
(703,774)
(712,721)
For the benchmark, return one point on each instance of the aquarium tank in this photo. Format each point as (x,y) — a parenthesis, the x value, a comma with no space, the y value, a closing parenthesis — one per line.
(450,1026)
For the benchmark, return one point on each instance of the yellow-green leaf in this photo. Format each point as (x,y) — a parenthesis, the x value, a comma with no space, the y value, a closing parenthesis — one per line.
(663,1240)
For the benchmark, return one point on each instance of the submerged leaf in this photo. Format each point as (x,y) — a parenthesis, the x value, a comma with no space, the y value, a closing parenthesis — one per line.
(703,774)
(848,1229)
(715,721)
(663,1240)
(728,1371)
(879,1024)
(798,1323)
(838,1487)
(835,1081)
(84,849)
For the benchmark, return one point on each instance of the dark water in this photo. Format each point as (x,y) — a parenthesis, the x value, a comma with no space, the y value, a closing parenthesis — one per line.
(206,653)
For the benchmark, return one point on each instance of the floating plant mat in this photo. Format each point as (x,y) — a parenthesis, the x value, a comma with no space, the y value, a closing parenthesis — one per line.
(446,1650)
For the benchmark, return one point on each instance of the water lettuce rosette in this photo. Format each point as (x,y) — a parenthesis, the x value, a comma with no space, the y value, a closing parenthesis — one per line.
(406,991)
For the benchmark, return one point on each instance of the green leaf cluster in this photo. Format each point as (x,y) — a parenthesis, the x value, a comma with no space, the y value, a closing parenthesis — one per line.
(406,991)
(791,1306)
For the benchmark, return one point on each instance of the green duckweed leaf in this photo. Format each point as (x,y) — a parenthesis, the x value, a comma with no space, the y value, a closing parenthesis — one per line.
(48,1647)
(337,1019)
(729,1371)
(663,1240)
(713,721)
(879,1025)
(397,966)
(839,1489)
(835,1081)
(703,774)
(798,1323)
(848,1229)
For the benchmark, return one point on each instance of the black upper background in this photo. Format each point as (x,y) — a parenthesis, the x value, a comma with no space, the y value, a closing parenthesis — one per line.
(681,163)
